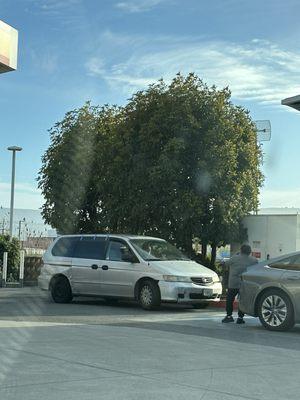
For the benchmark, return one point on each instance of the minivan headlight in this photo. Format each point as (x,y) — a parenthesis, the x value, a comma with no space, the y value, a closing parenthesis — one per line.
(174,278)
(216,279)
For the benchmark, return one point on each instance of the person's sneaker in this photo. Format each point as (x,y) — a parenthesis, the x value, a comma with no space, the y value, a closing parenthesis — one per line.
(227,319)
(240,321)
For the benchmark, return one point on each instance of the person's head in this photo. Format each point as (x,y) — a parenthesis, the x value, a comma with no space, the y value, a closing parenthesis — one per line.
(246,249)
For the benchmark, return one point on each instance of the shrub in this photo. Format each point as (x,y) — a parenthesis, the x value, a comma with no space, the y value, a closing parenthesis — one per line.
(13,250)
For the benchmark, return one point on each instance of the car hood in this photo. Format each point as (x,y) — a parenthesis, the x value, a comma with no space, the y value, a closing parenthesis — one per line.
(255,267)
(181,268)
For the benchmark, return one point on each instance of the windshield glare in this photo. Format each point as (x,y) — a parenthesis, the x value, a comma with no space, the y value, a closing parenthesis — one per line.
(154,250)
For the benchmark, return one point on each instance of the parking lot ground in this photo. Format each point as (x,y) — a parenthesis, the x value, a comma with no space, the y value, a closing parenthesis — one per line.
(89,350)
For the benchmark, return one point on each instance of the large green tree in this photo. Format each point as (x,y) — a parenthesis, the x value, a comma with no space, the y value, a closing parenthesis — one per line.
(177,161)
(74,170)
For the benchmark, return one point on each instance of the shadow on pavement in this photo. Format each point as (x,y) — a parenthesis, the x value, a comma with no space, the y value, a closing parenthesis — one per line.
(22,303)
(36,306)
(248,333)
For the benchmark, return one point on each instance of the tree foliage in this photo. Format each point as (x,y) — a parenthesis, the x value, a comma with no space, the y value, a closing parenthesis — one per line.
(177,161)
(13,256)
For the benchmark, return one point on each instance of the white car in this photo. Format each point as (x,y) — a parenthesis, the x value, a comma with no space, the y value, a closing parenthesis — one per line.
(147,269)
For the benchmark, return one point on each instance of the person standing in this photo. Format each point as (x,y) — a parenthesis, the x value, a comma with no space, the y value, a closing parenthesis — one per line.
(237,265)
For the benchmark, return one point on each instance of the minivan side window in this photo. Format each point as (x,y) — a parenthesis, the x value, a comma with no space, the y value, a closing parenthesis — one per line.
(64,247)
(114,252)
(291,263)
(91,248)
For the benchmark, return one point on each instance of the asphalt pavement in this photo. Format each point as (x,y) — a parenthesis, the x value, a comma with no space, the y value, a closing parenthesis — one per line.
(90,350)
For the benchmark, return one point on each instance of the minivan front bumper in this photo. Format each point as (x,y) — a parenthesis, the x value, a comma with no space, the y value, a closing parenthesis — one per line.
(181,292)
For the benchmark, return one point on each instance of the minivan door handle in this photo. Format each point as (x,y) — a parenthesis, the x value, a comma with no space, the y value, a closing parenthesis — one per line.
(105,267)
(94,266)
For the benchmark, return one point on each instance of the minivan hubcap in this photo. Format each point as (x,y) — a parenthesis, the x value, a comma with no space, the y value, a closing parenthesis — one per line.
(274,310)
(146,295)
(59,289)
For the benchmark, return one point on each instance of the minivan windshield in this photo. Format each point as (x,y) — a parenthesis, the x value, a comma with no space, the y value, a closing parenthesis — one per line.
(157,250)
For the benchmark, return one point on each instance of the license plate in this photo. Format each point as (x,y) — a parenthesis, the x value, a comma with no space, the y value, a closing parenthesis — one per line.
(207,292)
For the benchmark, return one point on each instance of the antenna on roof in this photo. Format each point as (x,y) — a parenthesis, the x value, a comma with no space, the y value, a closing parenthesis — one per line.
(263,129)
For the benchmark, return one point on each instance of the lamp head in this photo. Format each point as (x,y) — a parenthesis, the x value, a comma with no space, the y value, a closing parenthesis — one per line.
(14,148)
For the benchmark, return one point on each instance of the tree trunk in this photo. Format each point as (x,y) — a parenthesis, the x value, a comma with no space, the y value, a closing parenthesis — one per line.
(188,248)
(204,249)
(213,256)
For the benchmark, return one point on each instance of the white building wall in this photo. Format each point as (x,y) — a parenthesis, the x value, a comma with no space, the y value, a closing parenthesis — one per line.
(273,234)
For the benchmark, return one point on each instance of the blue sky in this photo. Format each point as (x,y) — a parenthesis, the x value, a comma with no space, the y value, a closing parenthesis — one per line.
(71,51)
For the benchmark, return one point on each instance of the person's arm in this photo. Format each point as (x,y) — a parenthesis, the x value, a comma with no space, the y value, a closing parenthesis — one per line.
(255,261)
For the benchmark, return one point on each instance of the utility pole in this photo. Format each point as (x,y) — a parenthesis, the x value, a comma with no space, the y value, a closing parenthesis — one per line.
(14,149)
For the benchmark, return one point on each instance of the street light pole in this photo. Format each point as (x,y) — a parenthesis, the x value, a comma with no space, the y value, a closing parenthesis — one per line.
(14,149)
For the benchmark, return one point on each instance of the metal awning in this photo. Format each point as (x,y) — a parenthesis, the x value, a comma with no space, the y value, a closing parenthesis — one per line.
(292,102)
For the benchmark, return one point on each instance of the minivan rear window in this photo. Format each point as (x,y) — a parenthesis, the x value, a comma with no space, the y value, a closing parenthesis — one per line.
(64,247)
(91,247)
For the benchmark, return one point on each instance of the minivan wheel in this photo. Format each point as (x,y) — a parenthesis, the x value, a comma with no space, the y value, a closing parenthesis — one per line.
(61,291)
(275,310)
(149,295)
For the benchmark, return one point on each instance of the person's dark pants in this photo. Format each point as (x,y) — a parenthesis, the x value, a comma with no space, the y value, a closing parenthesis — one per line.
(231,295)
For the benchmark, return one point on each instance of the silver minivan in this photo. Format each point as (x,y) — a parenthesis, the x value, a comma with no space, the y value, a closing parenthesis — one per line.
(147,269)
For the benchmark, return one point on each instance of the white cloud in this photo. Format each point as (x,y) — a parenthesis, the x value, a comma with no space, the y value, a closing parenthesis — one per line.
(136,6)
(54,6)
(258,71)
(69,13)
(26,196)
(280,198)
(46,61)
(95,66)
